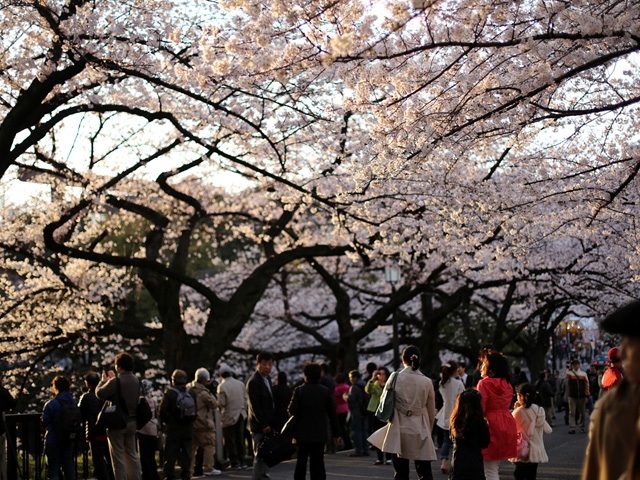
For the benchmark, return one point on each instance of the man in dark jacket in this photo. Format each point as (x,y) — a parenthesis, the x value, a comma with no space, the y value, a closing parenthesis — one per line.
(311,406)
(261,409)
(90,406)
(178,442)
(358,408)
(59,450)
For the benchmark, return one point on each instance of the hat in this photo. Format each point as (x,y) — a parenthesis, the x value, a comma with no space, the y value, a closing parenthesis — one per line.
(225,369)
(614,354)
(624,321)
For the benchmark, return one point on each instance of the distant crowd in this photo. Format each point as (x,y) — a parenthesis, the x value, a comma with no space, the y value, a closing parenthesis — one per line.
(468,419)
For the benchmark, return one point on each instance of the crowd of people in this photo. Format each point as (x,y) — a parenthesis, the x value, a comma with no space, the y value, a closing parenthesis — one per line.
(470,420)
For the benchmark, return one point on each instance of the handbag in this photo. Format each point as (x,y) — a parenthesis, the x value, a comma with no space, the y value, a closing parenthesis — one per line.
(112,415)
(275,448)
(143,413)
(523,441)
(387,403)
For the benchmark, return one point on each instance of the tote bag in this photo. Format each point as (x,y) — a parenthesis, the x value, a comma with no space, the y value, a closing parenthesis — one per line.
(384,411)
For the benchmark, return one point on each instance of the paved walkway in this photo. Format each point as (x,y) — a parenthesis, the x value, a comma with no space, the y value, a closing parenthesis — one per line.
(566,454)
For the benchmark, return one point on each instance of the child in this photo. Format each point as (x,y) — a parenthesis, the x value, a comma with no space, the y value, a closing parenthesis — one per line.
(470,434)
(530,422)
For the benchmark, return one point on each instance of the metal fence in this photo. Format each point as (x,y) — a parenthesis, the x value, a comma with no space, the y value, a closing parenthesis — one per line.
(25,449)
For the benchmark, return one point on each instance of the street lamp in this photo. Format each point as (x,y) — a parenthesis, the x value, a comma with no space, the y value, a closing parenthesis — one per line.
(392,276)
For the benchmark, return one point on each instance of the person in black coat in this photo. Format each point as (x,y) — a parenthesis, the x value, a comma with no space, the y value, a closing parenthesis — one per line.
(311,406)
(262,413)
(470,434)
(281,398)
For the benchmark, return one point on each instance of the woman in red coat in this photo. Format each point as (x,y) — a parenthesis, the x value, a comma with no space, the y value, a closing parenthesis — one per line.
(497,393)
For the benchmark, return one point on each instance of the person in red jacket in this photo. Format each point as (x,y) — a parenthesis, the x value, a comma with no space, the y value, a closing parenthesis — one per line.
(497,393)
(612,375)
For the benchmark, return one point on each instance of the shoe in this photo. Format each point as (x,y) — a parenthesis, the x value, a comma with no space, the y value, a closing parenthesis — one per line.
(355,454)
(572,431)
(388,462)
(212,473)
(582,430)
(378,462)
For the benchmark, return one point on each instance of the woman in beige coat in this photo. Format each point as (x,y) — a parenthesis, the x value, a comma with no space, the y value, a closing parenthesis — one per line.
(408,435)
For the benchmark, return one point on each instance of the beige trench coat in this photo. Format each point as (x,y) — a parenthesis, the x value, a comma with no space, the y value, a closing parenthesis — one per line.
(409,435)
(611,433)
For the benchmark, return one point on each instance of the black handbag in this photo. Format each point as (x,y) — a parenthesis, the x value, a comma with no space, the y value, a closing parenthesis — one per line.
(143,413)
(275,448)
(112,415)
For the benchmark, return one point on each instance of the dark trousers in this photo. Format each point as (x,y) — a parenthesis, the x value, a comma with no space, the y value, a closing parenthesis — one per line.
(344,432)
(60,459)
(101,460)
(378,424)
(525,471)
(233,437)
(178,448)
(401,469)
(314,451)
(147,444)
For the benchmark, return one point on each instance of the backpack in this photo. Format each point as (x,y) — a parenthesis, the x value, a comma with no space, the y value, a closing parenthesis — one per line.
(185,411)
(68,425)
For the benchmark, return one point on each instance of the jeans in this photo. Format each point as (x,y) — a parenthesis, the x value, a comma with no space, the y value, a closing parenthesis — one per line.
(445,448)
(360,431)
(576,405)
(60,457)
(315,452)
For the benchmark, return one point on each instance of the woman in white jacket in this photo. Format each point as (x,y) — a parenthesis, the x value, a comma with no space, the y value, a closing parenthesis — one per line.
(450,388)
(528,415)
(408,435)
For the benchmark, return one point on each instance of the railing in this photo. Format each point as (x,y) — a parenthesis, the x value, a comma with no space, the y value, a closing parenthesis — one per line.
(25,449)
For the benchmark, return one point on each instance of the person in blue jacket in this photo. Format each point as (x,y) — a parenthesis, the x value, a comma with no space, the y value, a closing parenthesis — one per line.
(59,451)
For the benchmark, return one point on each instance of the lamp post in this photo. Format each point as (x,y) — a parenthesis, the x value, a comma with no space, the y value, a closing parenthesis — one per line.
(392,276)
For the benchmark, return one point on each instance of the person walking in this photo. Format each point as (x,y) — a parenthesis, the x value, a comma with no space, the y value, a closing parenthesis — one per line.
(450,387)
(497,394)
(578,388)
(122,442)
(59,450)
(262,411)
(530,423)
(408,435)
(470,434)
(311,405)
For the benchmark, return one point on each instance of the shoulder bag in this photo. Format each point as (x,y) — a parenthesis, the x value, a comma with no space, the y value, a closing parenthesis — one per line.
(113,415)
(384,411)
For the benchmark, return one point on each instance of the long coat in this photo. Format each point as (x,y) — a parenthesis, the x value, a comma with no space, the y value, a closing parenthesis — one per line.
(524,417)
(613,426)
(496,399)
(409,436)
